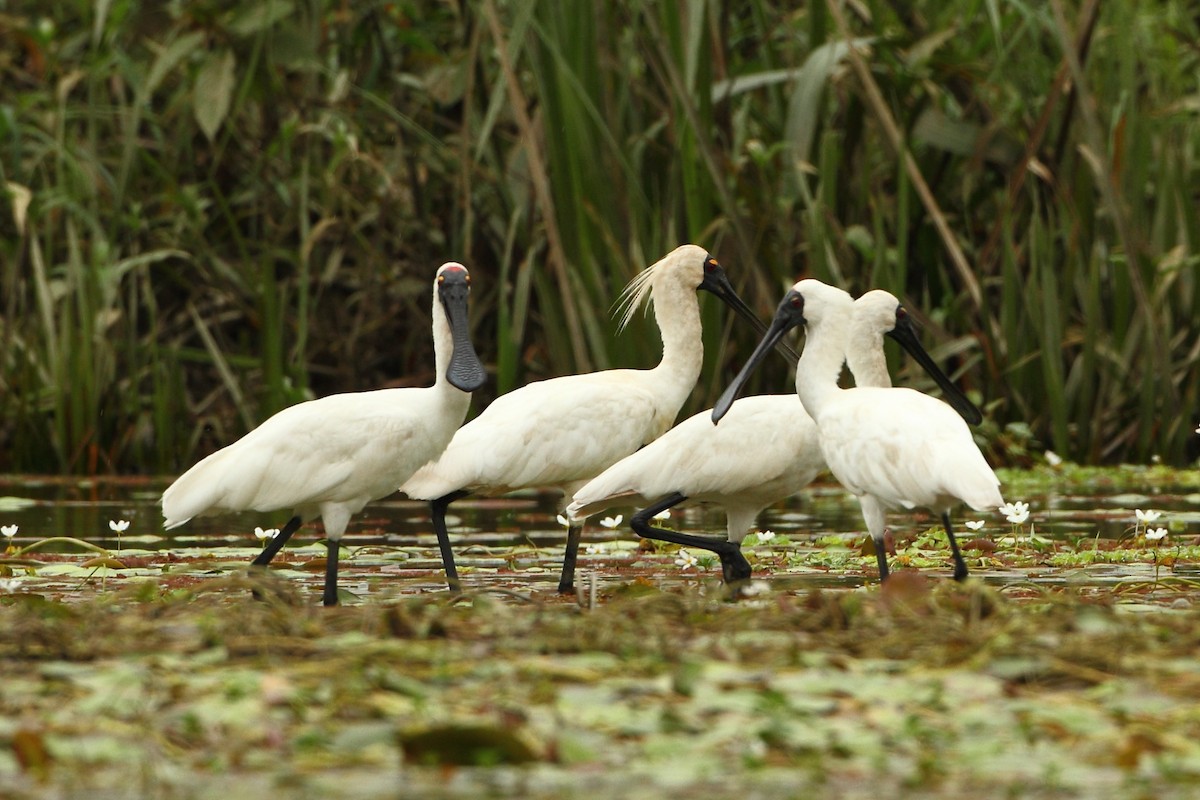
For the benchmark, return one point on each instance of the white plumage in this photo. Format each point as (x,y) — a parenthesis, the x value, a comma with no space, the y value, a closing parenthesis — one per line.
(330,457)
(764,450)
(561,432)
(893,447)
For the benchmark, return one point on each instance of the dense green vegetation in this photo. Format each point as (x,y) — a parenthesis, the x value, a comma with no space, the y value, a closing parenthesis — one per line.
(214,209)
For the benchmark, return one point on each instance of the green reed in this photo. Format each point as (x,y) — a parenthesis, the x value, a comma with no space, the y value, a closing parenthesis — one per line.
(232,207)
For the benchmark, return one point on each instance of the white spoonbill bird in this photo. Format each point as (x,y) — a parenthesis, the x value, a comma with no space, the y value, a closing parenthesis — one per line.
(330,457)
(766,449)
(563,431)
(893,448)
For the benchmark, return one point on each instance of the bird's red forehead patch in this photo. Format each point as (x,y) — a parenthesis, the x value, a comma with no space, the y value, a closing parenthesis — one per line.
(454,269)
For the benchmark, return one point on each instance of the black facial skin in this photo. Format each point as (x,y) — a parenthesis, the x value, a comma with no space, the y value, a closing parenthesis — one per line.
(905,333)
(716,282)
(789,314)
(466,371)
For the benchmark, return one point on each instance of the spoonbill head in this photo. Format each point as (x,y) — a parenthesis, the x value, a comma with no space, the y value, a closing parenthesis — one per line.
(329,457)
(892,447)
(561,432)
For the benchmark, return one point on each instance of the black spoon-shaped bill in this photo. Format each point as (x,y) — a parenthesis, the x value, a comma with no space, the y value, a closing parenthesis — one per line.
(717,282)
(905,333)
(789,314)
(466,371)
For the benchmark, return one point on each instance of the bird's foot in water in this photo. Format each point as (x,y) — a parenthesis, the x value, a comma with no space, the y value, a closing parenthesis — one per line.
(735,569)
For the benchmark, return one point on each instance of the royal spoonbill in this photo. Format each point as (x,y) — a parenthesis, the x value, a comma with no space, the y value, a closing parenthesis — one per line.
(892,448)
(766,449)
(330,457)
(561,432)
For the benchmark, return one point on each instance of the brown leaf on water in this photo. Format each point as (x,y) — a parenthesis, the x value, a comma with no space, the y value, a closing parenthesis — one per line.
(906,589)
(31,753)
(889,544)
(466,746)
(1129,754)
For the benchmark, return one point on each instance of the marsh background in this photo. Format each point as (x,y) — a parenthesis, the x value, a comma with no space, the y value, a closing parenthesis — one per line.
(215,209)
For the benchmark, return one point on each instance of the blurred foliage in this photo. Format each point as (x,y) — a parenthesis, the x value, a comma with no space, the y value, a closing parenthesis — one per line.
(215,209)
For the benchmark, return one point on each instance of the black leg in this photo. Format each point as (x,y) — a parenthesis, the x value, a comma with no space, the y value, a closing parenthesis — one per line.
(330,598)
(960,566)
(881,557)
(734,566)
(437,510)
(276,544)
(566,583)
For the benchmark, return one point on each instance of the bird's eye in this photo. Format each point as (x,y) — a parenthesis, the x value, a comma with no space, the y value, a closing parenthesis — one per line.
(796,300)
(710,265)
(441,278)
(901,312)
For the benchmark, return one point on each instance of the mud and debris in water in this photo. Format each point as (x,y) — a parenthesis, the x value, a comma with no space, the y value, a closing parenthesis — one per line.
(138,664)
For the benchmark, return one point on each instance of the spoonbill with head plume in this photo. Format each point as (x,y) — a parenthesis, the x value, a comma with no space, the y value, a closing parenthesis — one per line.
(330,457)
(893,448)
(563,431)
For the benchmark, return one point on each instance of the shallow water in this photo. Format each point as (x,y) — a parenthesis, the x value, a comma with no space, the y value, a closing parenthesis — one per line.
(515,542)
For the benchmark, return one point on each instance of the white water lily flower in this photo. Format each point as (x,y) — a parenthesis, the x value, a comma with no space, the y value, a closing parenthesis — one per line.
(686,560)
(262,534)
(1016,513)
(10,585)
(118,525)
(9,531)
(1156,534)
(1146,517)
(593,549)
(1053,458)
(765,536)
(663,514)
(974,524)
(566,523)
(611,522)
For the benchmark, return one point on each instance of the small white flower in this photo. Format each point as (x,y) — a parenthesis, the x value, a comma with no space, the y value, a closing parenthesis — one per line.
(765,536)
(666,514)
(686,560)
(1146,517)
(1053,458)
(566,523)
(611,522)
(10,585)
(592,549)
(262,534)
(1155,534)
(118,525)
(1016,513)
(9,531)
(974,524)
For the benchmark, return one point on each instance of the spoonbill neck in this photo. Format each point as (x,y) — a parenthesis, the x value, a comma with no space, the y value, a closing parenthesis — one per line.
(677,312)
(821,363)
(866,359)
